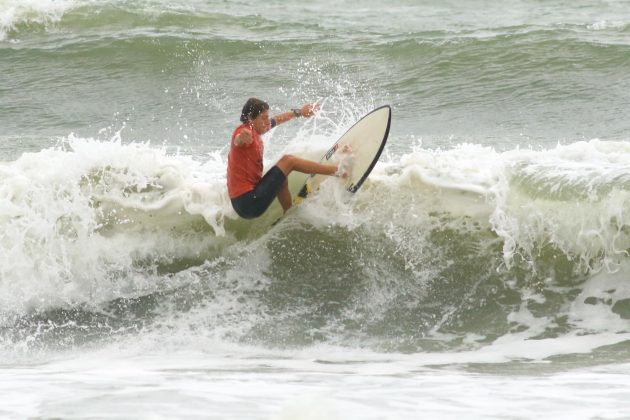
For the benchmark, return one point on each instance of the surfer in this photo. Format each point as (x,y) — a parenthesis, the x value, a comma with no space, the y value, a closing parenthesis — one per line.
(250,192)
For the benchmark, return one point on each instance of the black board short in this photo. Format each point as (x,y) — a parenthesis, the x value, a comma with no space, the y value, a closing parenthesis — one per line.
(253,204)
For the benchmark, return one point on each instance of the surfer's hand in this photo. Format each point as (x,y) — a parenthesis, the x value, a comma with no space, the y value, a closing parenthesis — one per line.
(309,110)
(244,137)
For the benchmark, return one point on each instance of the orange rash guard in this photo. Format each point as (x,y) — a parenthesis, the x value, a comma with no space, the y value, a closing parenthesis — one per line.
(245,164)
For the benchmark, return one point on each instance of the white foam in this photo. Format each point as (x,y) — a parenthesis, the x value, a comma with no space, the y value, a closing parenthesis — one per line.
(592,310)
(17,12)
(195,384)
(576,197)
(75,215)
(604,24)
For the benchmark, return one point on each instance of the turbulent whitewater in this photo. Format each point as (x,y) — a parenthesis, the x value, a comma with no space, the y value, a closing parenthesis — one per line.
(482,270)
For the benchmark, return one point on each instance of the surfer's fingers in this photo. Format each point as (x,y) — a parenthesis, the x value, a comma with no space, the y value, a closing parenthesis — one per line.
(309,110)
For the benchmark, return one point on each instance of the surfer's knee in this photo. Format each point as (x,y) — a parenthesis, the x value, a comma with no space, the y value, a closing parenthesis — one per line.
(286,163)
(290,159)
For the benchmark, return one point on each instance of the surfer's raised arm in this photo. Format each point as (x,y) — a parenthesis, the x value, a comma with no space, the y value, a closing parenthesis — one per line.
(305,111)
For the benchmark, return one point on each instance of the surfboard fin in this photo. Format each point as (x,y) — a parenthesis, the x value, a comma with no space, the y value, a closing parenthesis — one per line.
(304,192)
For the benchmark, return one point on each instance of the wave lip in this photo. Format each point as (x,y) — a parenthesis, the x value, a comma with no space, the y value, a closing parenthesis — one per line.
(16,14)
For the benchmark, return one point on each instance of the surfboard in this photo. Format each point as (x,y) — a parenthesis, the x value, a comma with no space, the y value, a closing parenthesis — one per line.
(366,140)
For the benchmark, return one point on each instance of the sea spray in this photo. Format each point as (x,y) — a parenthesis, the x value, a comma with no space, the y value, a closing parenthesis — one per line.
(79,218)
(119,220)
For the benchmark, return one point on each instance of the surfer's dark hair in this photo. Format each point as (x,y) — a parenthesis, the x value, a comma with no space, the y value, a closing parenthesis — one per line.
(253,108)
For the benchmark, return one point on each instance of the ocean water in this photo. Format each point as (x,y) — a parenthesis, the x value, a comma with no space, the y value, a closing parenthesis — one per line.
(482,271)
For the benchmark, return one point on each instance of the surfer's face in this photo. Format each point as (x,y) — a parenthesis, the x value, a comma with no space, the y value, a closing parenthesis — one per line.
(261,123)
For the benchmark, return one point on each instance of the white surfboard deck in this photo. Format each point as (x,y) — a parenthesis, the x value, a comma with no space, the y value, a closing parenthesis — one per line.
(366,140)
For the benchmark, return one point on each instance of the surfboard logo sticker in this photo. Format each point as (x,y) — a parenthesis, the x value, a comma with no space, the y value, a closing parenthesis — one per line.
(331,151)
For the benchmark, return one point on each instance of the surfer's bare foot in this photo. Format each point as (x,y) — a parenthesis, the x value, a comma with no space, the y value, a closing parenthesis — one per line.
(345,163)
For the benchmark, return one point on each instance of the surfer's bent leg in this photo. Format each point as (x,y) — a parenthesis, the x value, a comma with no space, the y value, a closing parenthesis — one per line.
(254,203)
(289,163)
